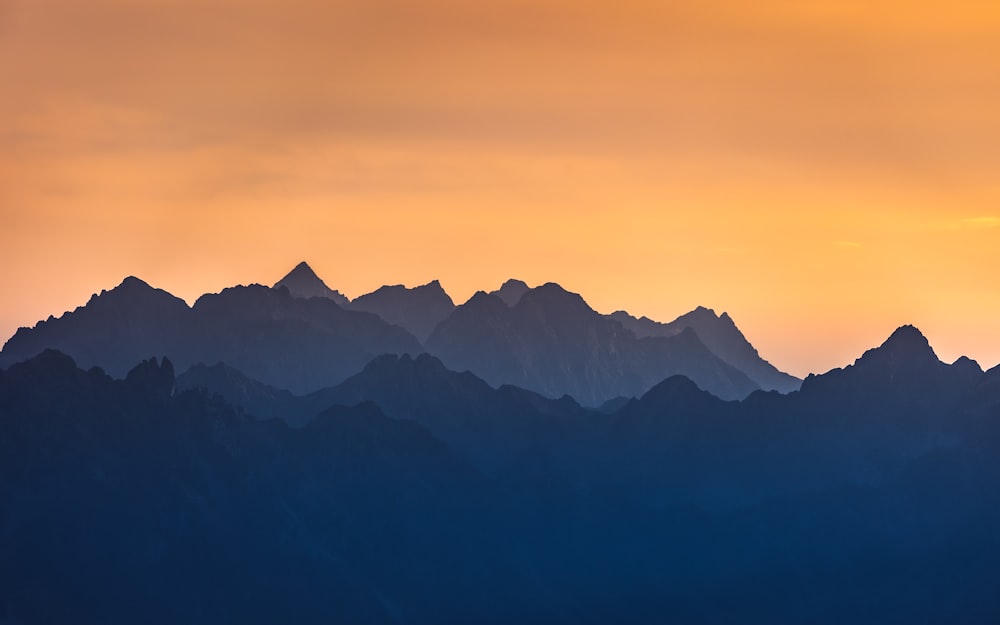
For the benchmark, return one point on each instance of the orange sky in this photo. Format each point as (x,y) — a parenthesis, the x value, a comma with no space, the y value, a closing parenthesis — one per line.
(823,171)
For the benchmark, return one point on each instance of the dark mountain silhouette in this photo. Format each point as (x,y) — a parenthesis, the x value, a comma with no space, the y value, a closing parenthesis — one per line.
(511,291)
(418,310)
(722,337)
(303,282)
(904,369)
(115,329)
(552,342)
(288,342)
(869,496)
(864,423)
(291,343)
(125,502)
(499,430)
(258,399)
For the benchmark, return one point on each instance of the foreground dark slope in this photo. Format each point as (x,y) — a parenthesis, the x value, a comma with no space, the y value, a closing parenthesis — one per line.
(862,424)
(126,502)
(552,342)
(293,343)
(870,496)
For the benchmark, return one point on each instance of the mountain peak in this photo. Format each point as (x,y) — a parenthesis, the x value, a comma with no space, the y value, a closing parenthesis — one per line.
(131,282)
(418,309)
(909,341)
(131,291)
(514,282)
(434,286)
(699,314)
(130,286)
(303,282)
(511,291)
(302,271)
(554,296)
(483,300)
(906,348)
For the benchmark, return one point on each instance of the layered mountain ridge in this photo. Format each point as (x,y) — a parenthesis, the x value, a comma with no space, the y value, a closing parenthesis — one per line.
(301,335)
(409,492)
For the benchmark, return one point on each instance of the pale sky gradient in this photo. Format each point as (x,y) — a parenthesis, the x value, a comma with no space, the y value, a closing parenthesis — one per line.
(823,171)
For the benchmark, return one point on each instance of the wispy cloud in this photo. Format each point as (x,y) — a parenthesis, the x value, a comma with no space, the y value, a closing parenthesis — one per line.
(981,222)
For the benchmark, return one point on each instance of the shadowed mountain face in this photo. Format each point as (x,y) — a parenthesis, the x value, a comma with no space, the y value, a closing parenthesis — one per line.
(722,337)
(552,342)
(288,342)
(303,282)
(418,310)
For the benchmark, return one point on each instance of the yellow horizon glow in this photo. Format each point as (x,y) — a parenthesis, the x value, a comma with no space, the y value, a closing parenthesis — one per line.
(824,172)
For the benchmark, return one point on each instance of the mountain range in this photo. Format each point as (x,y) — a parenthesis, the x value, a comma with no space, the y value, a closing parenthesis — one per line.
(300,344)
(839,426)
(413,493)
(720,334)
(300,335)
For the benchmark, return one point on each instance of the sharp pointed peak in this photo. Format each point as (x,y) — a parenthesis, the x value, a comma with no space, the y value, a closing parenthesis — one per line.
(303,282)
(906,335)
(905,344)
(302,269)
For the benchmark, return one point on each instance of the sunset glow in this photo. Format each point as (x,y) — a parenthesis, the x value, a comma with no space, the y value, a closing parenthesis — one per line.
(824,172)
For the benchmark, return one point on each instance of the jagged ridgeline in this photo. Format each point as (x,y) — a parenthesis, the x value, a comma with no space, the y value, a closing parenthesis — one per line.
(301,335)
(291,456)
